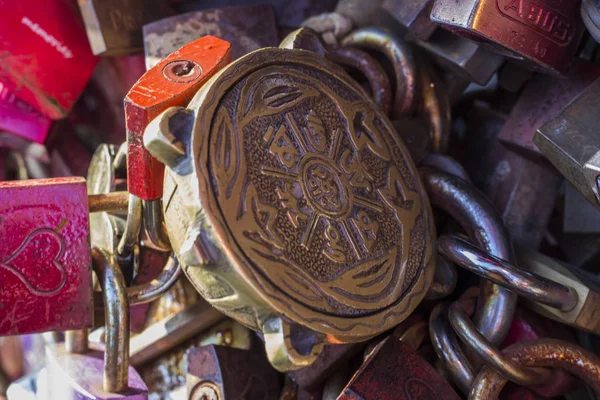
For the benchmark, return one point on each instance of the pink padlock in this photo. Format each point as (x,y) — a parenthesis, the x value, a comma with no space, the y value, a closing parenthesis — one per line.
(19,118)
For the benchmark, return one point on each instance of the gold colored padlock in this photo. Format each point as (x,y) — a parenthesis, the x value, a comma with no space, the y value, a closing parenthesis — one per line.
(292,204)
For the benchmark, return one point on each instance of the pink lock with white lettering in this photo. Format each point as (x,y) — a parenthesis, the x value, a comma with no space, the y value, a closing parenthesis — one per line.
(45,261)
(45,56)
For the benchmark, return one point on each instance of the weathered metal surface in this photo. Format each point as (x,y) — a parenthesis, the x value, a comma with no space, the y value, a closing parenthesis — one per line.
(545,33)
(114,27)
(523,190)
(542,98)
(231,373)
(394,371)
(45,265)
(245,28)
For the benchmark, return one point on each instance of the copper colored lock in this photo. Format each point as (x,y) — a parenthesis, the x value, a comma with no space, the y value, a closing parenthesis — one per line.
(286,190)
(545,33)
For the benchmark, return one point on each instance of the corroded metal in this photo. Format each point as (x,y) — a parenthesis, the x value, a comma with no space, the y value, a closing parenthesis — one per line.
(540,353)
(294,219)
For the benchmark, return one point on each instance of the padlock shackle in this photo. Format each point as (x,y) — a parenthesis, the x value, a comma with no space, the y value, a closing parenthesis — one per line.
(154,224)
(553,353)
(150,291)
(448,350)
(400,55)
(108,202)
(116,311)
(133,226)
(468,333)
(527,284)
(477,216)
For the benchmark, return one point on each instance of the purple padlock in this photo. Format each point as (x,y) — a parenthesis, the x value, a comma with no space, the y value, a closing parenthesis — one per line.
(75,372)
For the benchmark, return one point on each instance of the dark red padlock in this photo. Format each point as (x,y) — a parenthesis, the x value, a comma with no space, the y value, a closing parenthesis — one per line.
(394,371)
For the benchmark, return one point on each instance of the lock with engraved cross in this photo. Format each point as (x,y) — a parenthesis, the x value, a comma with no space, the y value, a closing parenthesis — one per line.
(292,204)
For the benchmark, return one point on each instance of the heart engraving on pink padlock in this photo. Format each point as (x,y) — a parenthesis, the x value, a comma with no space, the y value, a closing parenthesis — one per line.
(38,250)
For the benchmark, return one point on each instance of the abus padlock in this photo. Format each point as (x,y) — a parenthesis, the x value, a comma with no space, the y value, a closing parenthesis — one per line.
(44,256)
(292,204)
(546,33)
(46,58)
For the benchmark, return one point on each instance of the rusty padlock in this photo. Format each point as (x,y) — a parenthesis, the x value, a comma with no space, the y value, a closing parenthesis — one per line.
(246,28)
(221,373)
(544,33)
(297,151)
(46,58)
(74,371)
(115,27)
(540,353)
(395,371)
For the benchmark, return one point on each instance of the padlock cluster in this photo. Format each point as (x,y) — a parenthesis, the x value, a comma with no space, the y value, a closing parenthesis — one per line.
(299,200)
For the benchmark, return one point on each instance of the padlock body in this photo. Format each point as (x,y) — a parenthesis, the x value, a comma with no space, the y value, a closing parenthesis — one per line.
(45,264)
(246,28)
(46,57)
(19,118)
(544,32)
(80,376)
(394,371)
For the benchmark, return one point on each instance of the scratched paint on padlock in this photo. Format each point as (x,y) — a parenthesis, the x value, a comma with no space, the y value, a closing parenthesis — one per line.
(44,256)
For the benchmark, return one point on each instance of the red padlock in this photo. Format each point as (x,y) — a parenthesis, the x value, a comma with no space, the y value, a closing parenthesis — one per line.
(45,264)
(172,82)
(46,57)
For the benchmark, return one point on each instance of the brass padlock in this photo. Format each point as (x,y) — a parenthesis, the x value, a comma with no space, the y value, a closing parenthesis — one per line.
(291,203)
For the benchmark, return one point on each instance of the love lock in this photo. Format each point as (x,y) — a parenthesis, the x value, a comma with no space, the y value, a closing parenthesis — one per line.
(292,204)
